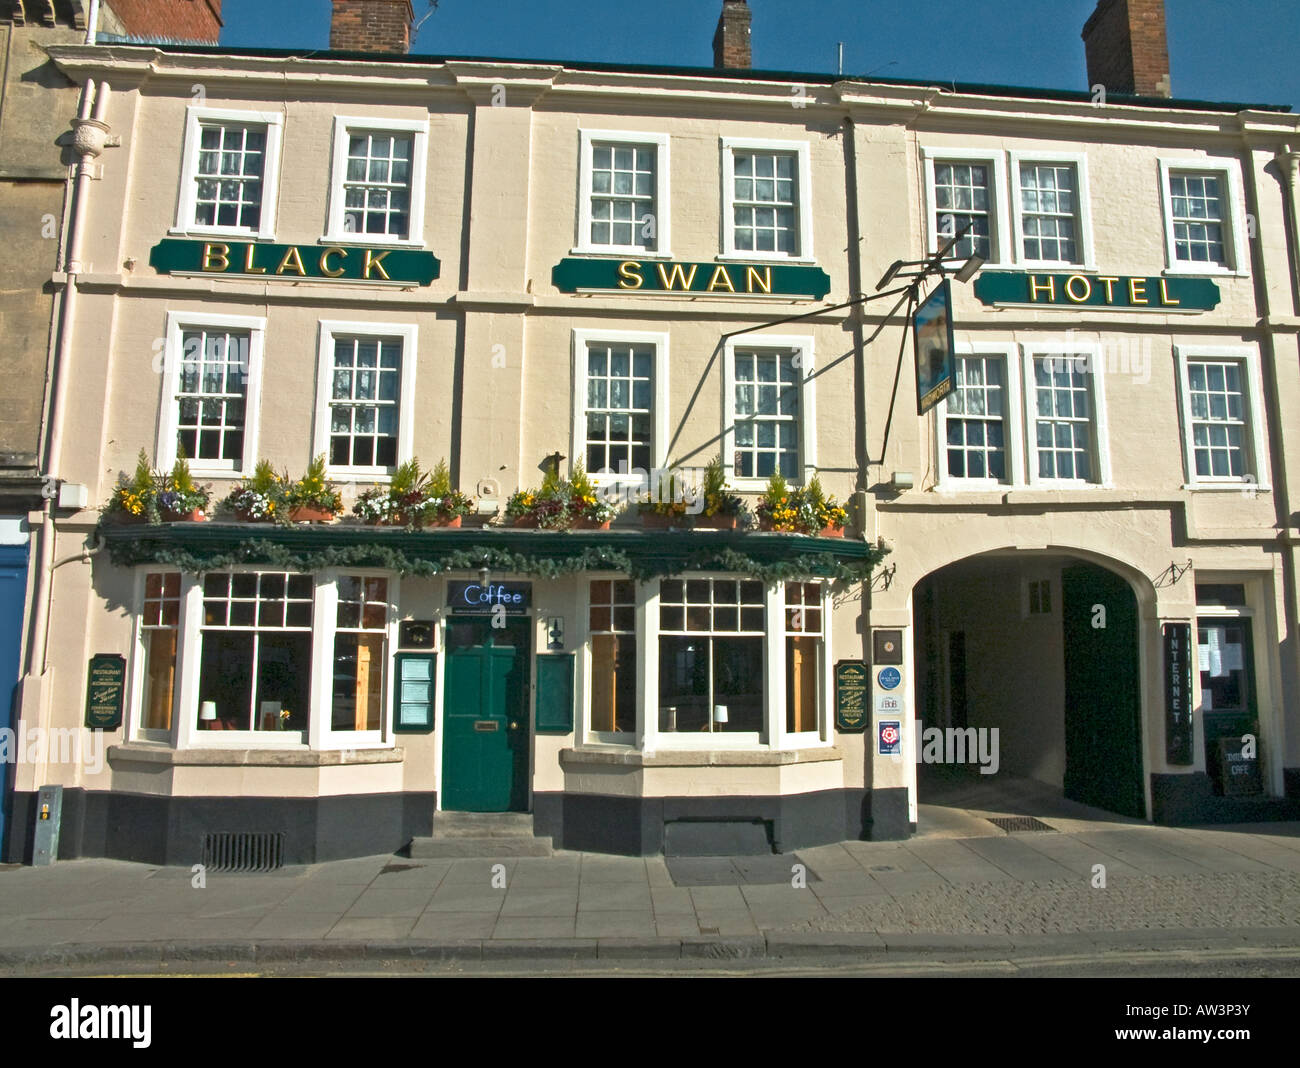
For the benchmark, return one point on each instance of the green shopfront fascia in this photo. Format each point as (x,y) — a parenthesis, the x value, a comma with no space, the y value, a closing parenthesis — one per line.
(582,658)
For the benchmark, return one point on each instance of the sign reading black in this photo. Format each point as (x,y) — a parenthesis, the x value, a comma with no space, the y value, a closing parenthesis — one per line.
(477,599)
(105,686)
(1177,640)
(1238,773)
(852,687)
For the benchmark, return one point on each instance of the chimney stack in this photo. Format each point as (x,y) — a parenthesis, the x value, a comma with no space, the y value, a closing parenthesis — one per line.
(371,26)
(1126,47)
(731,40)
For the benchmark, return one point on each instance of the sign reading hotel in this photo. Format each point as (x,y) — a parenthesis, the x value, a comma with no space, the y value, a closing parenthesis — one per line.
(318,263)
(577,275)
(1120,292)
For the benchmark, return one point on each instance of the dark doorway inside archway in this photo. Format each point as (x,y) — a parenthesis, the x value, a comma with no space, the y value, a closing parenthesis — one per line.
(1043,650)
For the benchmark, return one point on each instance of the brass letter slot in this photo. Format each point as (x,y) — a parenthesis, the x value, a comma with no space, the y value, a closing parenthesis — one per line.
(486,725)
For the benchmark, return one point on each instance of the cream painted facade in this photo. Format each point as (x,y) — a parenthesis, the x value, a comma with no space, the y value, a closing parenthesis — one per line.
(492,377)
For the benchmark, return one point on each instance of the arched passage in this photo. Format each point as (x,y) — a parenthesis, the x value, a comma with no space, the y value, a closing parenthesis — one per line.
(1027,668)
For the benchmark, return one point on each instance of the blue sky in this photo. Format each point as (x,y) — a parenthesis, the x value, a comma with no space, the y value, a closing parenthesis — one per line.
(1219,50)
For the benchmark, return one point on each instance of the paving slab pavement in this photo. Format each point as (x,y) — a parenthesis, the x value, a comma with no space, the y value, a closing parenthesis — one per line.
(1230,885)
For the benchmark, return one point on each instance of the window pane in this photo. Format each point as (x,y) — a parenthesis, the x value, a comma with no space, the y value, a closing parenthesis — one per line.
(359,683)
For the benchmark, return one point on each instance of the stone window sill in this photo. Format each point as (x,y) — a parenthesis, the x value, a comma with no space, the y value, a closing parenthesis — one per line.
(141,753)
(688,758)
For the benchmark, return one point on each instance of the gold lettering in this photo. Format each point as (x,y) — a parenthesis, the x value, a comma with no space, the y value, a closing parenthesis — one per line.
(216,257)
(375,262)
(292,258)
(1069,288)
(1137,291)
(629,276)
(1109,281)
(1165,298)
(325,268)
(669,279)
(249,266)
(1036,287)
(720,275)
(753,278)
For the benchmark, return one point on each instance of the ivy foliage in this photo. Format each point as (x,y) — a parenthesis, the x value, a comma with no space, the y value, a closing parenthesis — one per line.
(803,566)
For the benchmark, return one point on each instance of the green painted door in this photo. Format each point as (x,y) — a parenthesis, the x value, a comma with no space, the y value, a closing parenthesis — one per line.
(485,720)
(1103,733)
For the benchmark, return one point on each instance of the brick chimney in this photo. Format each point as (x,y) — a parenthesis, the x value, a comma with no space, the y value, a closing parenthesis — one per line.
(1126,47)
(196,22)
(371,26)
(731,40)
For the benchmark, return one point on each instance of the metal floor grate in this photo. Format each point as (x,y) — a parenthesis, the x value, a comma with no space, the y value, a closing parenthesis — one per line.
(1011,824)
(243,850)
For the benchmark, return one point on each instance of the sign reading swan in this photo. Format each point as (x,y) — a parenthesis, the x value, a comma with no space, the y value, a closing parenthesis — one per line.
(588,275)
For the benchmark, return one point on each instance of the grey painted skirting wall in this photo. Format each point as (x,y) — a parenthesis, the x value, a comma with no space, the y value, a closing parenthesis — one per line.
(153,829)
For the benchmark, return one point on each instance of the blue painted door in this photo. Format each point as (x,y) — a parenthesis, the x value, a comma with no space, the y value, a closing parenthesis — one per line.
(13,596)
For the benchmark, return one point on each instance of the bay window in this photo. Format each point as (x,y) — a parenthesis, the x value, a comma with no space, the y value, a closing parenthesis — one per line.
(263,657)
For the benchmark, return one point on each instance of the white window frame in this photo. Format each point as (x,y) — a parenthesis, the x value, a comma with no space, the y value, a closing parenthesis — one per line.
(135,729)
(1012,422)
(1235,240)
(320,728)
(801,344)
(624,740)
(1001,224)
(659,397)
(169,414)
(195,116)
(662,206)
(803,168)
(319,735)
(344,125)
(1083,212)
(1097,396)
(1256,437)
(409,335)
(651,740)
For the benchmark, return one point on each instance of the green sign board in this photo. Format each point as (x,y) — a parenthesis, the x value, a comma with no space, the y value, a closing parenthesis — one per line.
(555,693)
(321,263)
(1121,292)
(576,275)
(852,685)
(105,687)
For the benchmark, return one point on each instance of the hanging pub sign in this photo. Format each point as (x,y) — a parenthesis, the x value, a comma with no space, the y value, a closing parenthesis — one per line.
(477,598)
(295,263)
(1177,641)
(105,686)
(851,712)
(579,275)
(932,335)
(1120,292)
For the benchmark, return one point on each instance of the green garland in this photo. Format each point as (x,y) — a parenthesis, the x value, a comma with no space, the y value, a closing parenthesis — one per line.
(804,567)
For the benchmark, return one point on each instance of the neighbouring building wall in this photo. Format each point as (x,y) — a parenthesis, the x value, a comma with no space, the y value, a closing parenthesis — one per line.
(198,21)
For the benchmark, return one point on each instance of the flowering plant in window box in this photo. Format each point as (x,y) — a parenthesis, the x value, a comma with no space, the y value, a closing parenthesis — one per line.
(260,499)
(444,506)
(550,507)
(825,515)
(672,505)
(779,507)
(311,499)
(135,500)
(723,510)
(179,498)
(401,502)
(591,511)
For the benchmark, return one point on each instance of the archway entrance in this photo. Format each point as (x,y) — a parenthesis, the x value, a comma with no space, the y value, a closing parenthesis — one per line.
(1028,686)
